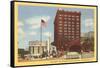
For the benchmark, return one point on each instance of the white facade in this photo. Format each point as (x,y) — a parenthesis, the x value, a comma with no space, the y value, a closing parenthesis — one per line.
(36,48)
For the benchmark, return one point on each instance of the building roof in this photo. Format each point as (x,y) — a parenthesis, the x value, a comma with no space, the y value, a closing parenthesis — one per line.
(63,11)
(37,43)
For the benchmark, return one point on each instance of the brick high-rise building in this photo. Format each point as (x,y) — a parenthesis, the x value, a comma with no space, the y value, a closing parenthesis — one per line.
(67,30)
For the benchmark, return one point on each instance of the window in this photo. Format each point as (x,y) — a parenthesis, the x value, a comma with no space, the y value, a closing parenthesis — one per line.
(69,28)
(73,18)
(77,31)
(69,22)
(65,27)
(65,33)
(69,36)
(60,21)
(72,36)
(65,18)
(65,37)
(60,33)
(69,18)
(65,24)
(77,19)
(60,17)
(72,22)
(69,25)
(38,49)
(73,29)
(32,49)
(72,33)
(60,24)
(65,15)
(69,15)
(77,28)
(73,25)
(66,44)
(60,27)
(69,31)
(77,23)
(60,30)
(77,16)
(65,30)
(77,36)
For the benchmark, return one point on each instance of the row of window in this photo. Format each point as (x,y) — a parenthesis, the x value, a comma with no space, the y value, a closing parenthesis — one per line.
(71,30)
(71,37)
(77,31)
(68,15)
(77,19)
(68,28)
(68,22)
(69,25)
(69,33)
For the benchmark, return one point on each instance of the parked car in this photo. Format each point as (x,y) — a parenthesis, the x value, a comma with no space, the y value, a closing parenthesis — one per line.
(73,55)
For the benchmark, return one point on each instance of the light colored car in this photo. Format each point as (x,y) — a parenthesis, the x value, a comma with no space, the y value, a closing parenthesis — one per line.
(73,55)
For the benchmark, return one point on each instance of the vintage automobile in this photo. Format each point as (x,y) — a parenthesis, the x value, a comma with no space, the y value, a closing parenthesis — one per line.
(73,55)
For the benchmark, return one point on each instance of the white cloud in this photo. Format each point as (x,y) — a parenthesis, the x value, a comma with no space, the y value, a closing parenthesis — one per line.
(20,31)
(48,34)
(20,24)
(89,22)
(36,21)
(32,33)
(45,18)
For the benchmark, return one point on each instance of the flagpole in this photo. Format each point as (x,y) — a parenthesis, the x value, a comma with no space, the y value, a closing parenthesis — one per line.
(41,39)
(49,44)
(43,24)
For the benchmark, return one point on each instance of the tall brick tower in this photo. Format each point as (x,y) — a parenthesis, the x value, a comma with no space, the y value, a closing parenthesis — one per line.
(67,30)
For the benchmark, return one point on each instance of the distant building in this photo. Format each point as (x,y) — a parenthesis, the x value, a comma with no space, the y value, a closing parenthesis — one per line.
(88,44)
(88,34)
(36,48)
(67,30)
(84,34)
(21,53)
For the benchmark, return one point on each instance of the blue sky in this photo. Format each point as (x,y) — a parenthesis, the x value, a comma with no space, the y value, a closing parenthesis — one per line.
(29,19)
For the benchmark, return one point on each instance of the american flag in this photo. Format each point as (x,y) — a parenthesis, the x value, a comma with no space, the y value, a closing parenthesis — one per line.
(43,23)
